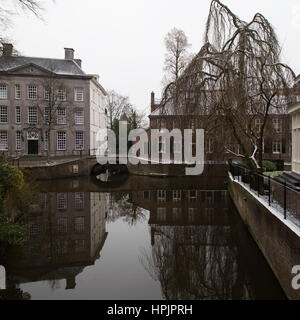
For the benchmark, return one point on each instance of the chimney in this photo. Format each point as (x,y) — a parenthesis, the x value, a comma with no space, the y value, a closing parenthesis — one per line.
(152,101)
(96,77)
(69,54)
(7,49)
(297,82)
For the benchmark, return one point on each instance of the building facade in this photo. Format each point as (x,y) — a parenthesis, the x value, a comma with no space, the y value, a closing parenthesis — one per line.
(295,114)
(277,140)
(48,106)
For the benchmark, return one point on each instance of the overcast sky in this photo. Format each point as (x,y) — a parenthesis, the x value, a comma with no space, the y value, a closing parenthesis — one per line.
(123,40)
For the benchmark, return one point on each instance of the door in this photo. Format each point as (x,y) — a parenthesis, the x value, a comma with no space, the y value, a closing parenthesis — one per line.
(33,147)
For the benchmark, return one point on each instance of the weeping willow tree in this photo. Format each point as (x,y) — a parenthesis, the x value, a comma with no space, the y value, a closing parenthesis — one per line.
(236,78)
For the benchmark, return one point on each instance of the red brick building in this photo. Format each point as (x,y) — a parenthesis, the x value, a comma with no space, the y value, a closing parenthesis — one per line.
(277,140)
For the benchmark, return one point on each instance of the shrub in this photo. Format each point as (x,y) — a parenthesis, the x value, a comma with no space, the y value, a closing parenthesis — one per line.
(269,166)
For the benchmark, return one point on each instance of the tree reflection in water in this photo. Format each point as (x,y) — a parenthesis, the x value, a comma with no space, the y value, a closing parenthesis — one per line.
(121,206)
(196,256)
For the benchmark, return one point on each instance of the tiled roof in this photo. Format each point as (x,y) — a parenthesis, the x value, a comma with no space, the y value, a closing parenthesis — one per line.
(58,66)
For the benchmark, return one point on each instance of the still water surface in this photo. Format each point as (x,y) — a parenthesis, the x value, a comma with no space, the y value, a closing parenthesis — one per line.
(141,238)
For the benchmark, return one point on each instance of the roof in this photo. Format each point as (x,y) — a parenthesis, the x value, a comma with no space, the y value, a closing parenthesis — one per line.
(294,107)
(57,66)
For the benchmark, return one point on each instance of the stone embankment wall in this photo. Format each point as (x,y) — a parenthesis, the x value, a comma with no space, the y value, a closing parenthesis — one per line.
(278,239)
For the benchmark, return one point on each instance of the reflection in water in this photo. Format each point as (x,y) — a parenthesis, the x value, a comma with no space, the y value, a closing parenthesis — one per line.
(195,246)
(67,233)
(196,253)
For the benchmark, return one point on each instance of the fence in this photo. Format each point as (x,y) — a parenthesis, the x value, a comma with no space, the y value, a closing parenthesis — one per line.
(54,154)
(276,195)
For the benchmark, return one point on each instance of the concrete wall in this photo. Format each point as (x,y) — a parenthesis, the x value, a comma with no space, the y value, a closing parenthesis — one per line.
(174,170)
(277,241)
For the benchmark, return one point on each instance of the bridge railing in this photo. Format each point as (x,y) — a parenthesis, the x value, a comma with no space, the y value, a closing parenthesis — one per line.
(279,196)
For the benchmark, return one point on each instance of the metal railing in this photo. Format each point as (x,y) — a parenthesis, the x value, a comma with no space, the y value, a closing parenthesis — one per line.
(55,154)
(275,194)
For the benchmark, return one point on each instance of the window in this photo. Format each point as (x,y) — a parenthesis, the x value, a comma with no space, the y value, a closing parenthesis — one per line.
(17,91)
(3,91)
(79,117)
(61,116)
(61,141)
(32,92)
(146,148)
(3,140)
(162,124)
(210,145)
(161,214)
(18,140)
(209,196)
(79,140)
(192,215)
(46,94)
(46,141)
(177,146)
(3,114)
(47,114)
(18,115)
(258,124)
(34,229)
(176,214)
(161,195)
(61,94)
(277,124)
(79,224)
(62,201)
(276,147)
(146,195)
(78,94)
(162,145)
(176,195)
(79,201)
(32,115)
(79,245)
(62,224)
(192,194)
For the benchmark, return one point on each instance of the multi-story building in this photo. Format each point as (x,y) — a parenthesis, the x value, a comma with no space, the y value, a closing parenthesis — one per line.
(277,138)
(48,103)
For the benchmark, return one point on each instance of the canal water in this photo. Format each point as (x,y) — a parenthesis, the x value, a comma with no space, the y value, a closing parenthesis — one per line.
(137,238)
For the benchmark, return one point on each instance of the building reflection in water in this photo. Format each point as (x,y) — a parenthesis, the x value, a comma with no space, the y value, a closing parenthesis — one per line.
(198,246)
(67,232)
(194,247)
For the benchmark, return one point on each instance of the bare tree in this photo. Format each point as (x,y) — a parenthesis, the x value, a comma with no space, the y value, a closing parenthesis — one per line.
(177,56)
(8,9)
(236,78)
(54,109)
(116,106)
